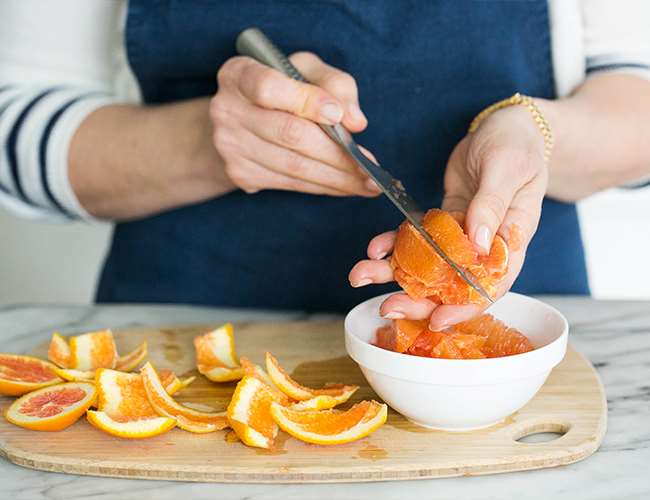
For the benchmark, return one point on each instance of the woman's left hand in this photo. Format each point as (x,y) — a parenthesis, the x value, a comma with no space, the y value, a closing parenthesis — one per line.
(498,177)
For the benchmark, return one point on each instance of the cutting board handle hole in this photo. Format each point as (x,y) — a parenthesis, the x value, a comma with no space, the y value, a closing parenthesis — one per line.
(541,432)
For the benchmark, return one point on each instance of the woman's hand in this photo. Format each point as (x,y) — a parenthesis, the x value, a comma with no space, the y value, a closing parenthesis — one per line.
(498,177)
(266,132)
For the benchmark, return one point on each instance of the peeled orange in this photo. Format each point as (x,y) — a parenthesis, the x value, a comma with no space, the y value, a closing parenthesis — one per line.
(52,408)
(331,426)
(22,374)
(422,273)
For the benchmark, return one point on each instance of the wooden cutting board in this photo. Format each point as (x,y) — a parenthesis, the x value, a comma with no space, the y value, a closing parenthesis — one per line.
(571,402)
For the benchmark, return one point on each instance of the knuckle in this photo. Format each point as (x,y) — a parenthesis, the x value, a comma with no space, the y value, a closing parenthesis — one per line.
(291,131)
(218,110)
(340,82)
(295,163)
(261,81)
(495,206)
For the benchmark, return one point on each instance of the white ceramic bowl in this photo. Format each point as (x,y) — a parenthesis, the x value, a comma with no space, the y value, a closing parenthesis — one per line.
(459,394)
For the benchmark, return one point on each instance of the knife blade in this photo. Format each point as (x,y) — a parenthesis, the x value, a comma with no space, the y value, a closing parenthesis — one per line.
(254,43)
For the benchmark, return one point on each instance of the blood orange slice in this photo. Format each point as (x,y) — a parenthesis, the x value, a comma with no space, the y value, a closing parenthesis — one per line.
(331,426)
(249,413)
(296,391)
(52,408)
(216,357)
(22,374)
(130,429)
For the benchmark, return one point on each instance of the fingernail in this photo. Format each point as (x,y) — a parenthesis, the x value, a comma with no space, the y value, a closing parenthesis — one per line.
(356,113)
(331,112)
(372,186)
(363,282)
(394,315)
(380,255)
(482,238)
(437,327)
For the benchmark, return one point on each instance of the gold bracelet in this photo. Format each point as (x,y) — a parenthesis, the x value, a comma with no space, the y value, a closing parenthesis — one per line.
(529,103)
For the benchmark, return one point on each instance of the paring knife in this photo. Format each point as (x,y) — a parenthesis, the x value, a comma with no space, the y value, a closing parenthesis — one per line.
(254,43)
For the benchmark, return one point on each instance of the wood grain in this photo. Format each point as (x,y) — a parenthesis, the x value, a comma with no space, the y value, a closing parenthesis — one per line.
(571,401)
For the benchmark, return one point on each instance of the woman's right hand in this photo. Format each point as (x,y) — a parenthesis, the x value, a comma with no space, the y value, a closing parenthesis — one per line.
(265,127)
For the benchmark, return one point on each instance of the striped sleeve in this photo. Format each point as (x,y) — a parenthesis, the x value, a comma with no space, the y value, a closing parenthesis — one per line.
(617,36)
(57,65)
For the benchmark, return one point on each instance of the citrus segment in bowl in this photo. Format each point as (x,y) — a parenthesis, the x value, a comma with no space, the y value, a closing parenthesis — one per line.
(22,374)
(296,391)
(331,426)
(216,357)
(132,428)
(52,408)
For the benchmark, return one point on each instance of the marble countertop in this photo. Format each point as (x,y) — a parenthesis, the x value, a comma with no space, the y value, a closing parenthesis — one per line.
(615,335)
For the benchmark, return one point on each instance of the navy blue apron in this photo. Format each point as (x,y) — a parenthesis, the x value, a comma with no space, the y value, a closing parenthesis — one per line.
(424,69)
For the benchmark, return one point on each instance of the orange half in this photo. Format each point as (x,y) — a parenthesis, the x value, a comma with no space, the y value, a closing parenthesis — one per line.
(52,408)
(22,374)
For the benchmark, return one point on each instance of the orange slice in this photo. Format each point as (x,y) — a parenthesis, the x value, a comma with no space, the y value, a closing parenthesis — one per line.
(324,401)
(22,374)
(216,356)
(76,375)
(59,351)
(130,429)
(249,413)
(165,405)
(52,408)
(296,391)
(331,426)
(131,361)
(93,350)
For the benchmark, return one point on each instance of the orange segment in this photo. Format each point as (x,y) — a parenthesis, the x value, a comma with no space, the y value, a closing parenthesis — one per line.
(331,426)
(130,429)
(93,350)
(216,357)
(400,334)
(132,360)
(249,414)
(296,391)
(22,374)
(165,405)
(59,351)
(52,408)
(422,273)
(499,339)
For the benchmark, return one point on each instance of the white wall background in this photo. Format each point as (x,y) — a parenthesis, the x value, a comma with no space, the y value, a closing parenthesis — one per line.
(46,263)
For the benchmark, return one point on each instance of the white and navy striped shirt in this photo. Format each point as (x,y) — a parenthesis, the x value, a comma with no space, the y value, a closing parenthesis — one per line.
(59,61)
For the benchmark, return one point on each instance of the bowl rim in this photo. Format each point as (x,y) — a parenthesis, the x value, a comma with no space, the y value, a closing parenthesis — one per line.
(536,361)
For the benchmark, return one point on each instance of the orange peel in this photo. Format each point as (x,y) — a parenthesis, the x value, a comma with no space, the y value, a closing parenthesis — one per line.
(329,427)
(132,360)
(216,356)
(296,391)
(130,429)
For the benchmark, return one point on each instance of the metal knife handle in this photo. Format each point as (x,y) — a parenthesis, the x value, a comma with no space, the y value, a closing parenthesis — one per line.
(254,43)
